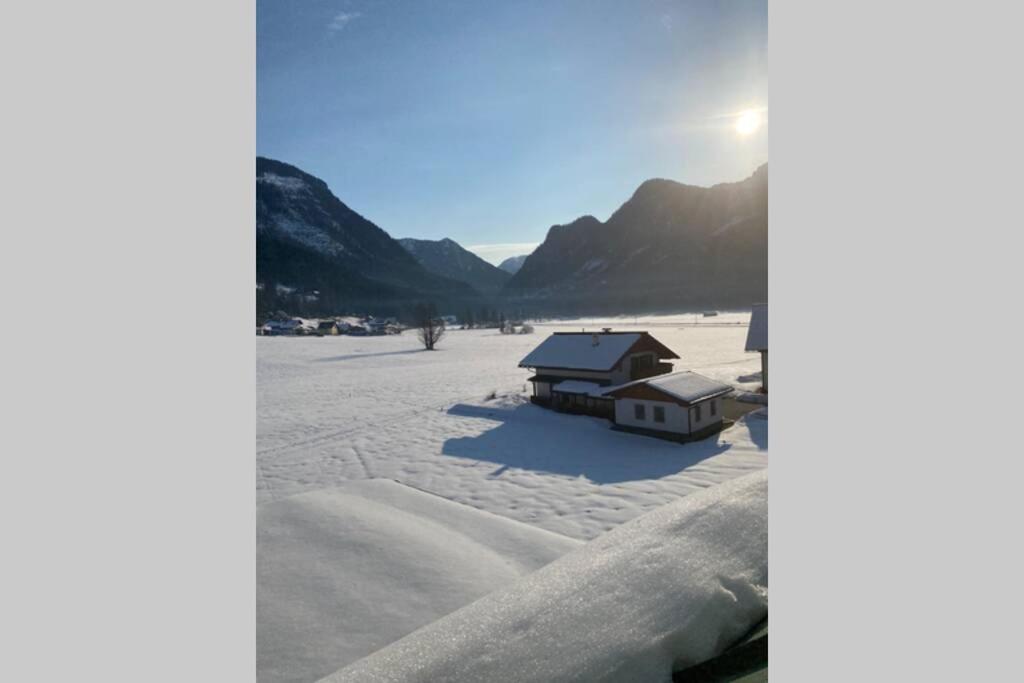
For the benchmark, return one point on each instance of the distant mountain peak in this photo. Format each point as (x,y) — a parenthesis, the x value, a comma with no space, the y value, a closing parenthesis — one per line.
(669,246)
(448,258)
(512,264)
(309,240)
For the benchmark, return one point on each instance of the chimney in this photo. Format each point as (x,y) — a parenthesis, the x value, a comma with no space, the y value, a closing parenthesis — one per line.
(594,340)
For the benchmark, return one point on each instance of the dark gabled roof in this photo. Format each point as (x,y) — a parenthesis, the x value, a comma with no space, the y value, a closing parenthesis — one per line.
(578,350)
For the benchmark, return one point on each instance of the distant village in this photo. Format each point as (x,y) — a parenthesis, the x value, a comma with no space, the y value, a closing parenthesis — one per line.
(364,326)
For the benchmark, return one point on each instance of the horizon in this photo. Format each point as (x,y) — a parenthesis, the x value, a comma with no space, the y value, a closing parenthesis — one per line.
(488,124)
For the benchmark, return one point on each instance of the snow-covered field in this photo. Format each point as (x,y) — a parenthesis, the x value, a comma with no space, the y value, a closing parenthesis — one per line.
(334,409)
(487,489)
(662,592)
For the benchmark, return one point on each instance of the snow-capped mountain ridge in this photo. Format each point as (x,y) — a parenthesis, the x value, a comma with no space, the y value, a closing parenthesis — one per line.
(308,238)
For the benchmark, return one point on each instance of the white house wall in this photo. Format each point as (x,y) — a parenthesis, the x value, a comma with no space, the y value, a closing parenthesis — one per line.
(618,375)
(675,415)
(575,374)
(706,419)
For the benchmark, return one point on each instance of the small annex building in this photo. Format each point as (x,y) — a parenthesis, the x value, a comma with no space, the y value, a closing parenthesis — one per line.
(680,405)
(573,369)
(757,339)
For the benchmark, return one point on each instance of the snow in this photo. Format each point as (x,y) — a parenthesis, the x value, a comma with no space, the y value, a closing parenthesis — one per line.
(283,183)
(335,409)
(578,351)
(574,386)
(757,333)
(686,386)
(730,224)
(310,235)
(663,592)
(336,415)
(343,572)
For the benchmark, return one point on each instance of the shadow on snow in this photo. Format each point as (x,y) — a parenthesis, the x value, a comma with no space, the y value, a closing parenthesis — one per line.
(533,438)
(353,356)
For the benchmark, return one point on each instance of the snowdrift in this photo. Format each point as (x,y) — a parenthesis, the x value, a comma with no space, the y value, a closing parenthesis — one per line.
(667,590)
(343,572)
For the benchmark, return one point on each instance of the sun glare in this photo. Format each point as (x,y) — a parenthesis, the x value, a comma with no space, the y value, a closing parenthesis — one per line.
(748,122)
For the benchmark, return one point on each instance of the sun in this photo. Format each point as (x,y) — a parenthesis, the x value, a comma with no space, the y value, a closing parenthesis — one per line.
(748,122)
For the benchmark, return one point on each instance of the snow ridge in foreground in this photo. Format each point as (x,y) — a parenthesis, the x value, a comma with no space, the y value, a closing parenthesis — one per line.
(667,590)
(343,572)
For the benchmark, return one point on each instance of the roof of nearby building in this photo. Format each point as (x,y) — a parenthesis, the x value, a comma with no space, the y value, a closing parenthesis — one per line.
(598,351)
(757,333)
(326,324)
(687,386)
(575,386)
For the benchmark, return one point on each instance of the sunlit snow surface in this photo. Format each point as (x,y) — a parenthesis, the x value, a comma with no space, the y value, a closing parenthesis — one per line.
(335,409)
(662,592)
(343,572)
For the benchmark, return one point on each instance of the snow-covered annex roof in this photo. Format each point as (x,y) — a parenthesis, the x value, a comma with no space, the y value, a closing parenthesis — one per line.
(757,333)
(687,386)
(578,350)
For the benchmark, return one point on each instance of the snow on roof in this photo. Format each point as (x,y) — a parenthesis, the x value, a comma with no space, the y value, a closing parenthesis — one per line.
(686,386)
(757,333)
(577,351)
(575,386)
(669,589)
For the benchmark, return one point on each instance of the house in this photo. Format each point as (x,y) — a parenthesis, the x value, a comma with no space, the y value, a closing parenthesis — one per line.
(327,327)
(282,327)
(757,339)
(572,368)
(681,406)
(377,326)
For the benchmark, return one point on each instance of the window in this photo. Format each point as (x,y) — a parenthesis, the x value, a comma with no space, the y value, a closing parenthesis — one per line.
(713,409)
(659,414)
(640,411)
(696,413)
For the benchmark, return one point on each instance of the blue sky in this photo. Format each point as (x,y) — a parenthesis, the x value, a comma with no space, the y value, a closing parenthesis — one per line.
(490,122)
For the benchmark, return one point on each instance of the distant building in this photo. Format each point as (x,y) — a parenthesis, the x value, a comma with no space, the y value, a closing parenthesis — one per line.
(573,368)
(681,405)
(328,327)
(274,328)
(757,339)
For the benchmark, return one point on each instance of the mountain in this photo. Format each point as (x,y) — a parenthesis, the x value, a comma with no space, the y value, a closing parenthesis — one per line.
(669,247)
(512,264)
(448,259)
(308,240)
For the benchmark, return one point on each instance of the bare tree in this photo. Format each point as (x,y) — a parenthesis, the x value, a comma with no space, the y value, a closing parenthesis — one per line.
(429,327)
